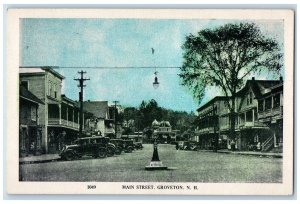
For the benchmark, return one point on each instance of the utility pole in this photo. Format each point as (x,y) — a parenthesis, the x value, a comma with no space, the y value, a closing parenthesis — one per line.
(81,85)
(216,136)
(115,121)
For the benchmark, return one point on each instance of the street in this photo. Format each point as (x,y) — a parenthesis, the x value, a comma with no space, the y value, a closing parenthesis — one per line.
(186,166)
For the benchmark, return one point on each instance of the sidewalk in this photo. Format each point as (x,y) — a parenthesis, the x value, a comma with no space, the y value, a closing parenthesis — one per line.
(39,159)
(261,154)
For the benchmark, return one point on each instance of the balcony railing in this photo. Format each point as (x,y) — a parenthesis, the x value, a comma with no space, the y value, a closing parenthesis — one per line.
(207,130)
(274,112)
(249,124)
(63,122)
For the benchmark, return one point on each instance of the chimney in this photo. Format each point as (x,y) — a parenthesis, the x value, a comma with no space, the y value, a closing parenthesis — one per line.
(253,78)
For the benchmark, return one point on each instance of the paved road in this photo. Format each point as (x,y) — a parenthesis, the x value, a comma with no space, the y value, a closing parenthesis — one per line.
(190,167)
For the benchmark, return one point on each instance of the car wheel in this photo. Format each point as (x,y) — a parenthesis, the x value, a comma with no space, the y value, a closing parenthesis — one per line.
(69,156)
(101,153)
(110,152)
(118,151)
(129,149)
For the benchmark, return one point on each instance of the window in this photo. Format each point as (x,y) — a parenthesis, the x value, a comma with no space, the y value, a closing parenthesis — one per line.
(249,98)
(25,84)
(249,116)
(255,114)
(55,91)
(49,88)
(33,113)
(276,101)
(261,105)
(268,103)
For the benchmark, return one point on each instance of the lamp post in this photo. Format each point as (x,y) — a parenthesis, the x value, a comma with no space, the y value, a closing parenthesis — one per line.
(155,163)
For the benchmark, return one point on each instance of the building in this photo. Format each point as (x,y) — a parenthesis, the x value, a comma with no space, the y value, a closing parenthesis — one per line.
(250,129)
(209,122)
(270,112)
(30,136)
(46,84)
(59,116)
(104,118)
(258,118)
(162,131)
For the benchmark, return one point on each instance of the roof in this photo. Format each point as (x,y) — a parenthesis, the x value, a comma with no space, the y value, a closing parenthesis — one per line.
(259,87)
(64,97)
(41,69)
(98,108)
(26,94)
(217,98)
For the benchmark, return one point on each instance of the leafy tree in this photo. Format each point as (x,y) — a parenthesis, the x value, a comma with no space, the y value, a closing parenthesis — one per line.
(144,115)
(225,56)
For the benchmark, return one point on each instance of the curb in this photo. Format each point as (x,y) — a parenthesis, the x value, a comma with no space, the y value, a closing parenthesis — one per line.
(39,161)
(247,154)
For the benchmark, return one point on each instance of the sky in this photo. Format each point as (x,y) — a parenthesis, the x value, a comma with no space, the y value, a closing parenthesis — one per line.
(122,43)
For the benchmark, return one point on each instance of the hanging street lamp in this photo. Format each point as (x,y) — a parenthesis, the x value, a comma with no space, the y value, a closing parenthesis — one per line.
(155,83)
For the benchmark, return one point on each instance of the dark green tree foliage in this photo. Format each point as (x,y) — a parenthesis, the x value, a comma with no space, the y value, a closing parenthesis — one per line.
(149,111)
(226,56)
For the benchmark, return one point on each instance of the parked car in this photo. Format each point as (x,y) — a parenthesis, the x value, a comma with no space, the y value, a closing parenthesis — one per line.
(191,146)
(138,145)
(111,148)
(97,147)
(187,145)
(128,146)
(119,144)
(181,145)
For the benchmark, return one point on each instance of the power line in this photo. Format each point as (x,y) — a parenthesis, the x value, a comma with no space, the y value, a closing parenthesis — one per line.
(116,67)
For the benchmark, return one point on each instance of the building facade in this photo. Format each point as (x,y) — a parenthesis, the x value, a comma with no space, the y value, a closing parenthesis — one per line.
(59,116)
(103,117)
(30,136)
(211,122)
(162,131)
(258,118)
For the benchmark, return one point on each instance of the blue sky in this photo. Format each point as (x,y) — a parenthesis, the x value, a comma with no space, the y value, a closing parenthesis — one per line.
(121,42)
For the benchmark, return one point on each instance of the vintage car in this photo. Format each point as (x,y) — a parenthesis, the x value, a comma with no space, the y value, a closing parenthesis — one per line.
(138,145)
(187,145)
(119,144)
(192,146)
(128,146)
(98,147)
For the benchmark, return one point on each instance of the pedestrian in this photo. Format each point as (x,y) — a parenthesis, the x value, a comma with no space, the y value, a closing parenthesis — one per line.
(232,145)
(258,146)
(177,145)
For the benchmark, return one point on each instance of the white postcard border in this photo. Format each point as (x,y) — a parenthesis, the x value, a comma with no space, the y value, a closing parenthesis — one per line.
(14,186)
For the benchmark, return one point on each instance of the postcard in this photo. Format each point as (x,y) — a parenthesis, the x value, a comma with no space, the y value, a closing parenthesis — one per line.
(150,101)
